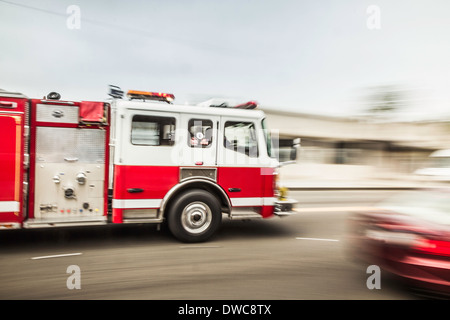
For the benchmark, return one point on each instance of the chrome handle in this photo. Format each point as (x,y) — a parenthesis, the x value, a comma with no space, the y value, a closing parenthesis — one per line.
(71,159)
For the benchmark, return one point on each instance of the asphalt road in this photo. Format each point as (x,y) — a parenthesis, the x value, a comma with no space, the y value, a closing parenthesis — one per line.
(299,257)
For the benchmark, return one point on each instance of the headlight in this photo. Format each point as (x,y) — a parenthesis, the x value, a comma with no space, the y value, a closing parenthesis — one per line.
(390,237)
(276,183)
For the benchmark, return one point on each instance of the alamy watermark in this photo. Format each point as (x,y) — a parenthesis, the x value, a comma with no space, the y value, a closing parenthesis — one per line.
(374,280)
(235,150)
(373,21)
(74,280)
(73,21)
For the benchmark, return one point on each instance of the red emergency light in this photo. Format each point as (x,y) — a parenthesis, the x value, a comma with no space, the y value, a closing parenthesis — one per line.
(145,95)
(247,105)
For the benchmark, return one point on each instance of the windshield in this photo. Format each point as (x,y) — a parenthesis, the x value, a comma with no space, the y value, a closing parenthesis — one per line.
(432,206)
(271,146)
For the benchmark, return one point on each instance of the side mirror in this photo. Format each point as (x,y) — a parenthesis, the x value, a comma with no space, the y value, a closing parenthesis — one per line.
(293,154)
(290,154)
(295,146)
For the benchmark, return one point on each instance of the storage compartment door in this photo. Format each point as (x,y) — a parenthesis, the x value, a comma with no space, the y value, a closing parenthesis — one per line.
(70,174)
(11,159)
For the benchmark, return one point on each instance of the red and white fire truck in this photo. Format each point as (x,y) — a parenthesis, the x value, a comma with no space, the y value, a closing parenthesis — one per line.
(136,160)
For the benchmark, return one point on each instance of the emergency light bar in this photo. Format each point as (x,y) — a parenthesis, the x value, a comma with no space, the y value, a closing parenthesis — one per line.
(144,95)
(246,105)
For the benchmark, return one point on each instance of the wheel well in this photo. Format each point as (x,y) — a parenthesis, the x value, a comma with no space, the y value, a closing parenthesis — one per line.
(206,185)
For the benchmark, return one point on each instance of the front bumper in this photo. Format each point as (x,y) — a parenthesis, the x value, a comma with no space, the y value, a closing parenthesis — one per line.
(285,207)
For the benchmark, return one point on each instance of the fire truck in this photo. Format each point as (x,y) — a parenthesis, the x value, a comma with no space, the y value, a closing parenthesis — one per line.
(135,159)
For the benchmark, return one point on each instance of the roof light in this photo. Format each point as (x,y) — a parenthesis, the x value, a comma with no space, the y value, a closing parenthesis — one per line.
(217,103)
(53,96)
(247,105)
(115,92)
(144,95)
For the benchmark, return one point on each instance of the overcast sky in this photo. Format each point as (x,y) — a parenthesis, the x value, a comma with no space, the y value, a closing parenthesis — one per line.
(306,56)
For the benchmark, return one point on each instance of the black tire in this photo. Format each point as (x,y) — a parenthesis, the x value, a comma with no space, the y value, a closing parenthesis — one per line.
(194,216)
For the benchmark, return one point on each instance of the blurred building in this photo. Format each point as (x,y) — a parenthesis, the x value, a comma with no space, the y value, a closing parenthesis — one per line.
(352,148)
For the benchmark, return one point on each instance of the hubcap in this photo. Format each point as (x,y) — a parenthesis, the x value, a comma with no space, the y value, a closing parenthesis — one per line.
(196,217)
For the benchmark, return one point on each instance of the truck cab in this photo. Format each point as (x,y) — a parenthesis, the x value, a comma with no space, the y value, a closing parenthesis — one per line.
(163,152)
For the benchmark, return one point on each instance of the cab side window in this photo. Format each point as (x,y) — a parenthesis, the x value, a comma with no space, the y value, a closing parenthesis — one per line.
(241,137)
(152,130)
(200,133)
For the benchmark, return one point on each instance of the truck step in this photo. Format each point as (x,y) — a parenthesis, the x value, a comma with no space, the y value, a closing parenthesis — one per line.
(244,214)
(76,221)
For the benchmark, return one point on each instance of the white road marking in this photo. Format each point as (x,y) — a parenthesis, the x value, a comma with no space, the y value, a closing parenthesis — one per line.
(198,247)
(334,209)
(57,256)
(317,239)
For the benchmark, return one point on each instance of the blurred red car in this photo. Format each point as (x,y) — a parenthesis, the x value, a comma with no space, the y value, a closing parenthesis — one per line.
(408,235)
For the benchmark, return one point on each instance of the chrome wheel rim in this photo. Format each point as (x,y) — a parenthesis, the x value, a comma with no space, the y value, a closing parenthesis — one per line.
(196,217)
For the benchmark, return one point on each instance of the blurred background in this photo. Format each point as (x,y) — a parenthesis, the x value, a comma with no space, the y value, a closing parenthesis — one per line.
(363,83)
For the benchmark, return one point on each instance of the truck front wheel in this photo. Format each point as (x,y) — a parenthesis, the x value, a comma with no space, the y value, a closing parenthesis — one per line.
(194,216)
